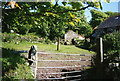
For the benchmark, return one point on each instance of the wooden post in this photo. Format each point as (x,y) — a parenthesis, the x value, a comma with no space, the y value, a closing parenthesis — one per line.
(32,58)
(99,59)
(101,50)
(36,65)
(58,44)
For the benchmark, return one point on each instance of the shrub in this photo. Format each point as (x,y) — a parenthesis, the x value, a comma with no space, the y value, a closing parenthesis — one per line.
(8,37)
(48,41)
(14,37)
(14,66)
(111,43)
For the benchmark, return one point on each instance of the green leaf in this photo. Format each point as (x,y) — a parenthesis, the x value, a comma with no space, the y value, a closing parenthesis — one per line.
(71,23)
(35,22)
(73,16)
(27,5)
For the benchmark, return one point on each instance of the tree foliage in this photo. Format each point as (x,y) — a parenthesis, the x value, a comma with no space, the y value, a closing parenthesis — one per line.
(113,40)
(45,18)
(109,13)
(97,17)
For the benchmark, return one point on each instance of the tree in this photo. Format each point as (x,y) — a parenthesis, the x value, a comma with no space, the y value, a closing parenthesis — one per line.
(97,17)
(109,13)
(57,15)
(82,27)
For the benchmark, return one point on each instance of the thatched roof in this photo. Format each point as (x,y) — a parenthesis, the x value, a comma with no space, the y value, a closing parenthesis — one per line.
(110,22)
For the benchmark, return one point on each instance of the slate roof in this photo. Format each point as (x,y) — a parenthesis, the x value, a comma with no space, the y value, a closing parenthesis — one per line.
(110,22)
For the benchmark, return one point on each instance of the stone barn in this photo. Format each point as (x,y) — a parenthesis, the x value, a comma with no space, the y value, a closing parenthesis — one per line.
(70,35)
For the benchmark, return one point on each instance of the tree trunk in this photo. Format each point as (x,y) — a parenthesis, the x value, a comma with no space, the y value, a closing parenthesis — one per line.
(58,44)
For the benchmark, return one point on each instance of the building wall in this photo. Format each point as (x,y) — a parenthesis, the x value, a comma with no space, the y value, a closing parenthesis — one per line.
(71,35)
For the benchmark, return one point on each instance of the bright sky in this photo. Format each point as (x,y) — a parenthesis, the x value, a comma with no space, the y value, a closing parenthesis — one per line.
(113,7)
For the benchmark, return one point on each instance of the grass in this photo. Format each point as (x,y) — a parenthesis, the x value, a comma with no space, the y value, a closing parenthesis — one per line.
(47,48)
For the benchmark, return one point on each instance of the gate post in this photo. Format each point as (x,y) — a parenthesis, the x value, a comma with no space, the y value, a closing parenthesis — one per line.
(32,59)
(99,58)
(101,50)
(100,54)
(36,65)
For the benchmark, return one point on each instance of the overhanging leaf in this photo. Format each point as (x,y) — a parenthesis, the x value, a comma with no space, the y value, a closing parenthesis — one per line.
(78,20)
(71,23)
(73,16)
(17,6)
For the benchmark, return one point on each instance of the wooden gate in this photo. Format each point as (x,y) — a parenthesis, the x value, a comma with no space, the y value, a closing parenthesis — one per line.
(68,75)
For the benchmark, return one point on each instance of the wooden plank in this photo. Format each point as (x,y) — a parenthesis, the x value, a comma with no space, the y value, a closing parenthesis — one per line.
(76,80)
(63,72)
(63,54)
(62,67)
(61,60)
(61,78)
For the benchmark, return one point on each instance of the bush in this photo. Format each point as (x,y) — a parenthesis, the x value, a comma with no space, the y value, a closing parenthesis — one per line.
(14,37)
(8,37)
(111,43)
(82,44)
(48,41)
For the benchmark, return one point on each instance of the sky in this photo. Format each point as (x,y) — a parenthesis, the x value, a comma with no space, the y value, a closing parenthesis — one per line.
(113,7)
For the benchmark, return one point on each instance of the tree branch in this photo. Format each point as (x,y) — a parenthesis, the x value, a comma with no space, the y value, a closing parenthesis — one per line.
(61,11)
(71,10)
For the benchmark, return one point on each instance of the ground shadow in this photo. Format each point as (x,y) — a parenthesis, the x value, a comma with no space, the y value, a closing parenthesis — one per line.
(10,60)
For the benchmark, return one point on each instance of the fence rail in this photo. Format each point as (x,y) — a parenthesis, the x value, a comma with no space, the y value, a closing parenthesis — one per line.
(63,72)
(63,54)
(61,60)
(63,67)
(61,77)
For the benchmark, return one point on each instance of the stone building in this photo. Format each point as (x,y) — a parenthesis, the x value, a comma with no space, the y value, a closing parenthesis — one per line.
(70,35)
